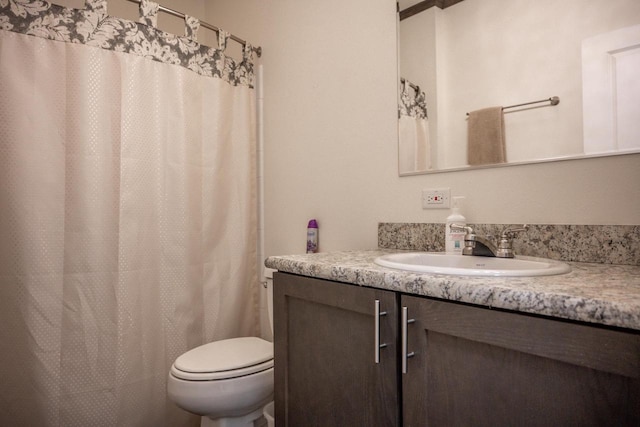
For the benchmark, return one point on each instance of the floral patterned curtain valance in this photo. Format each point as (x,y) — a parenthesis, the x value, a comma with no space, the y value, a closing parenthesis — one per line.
(412,103)
(93,27)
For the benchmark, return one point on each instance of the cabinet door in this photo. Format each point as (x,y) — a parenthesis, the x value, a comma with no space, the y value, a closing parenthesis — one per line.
(325,370)
(482,367)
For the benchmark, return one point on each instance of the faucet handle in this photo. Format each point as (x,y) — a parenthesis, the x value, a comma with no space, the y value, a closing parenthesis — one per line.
(461,227)
(509,232)
(469,237)
(505,247)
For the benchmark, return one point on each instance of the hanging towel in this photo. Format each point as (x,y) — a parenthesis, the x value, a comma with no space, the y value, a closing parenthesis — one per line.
(485,143)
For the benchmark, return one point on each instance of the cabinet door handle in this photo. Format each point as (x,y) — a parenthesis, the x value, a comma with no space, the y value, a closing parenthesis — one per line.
(376,339)
(405,340)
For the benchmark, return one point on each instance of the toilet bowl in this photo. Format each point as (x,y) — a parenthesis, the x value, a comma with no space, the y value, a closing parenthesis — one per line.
(227,382)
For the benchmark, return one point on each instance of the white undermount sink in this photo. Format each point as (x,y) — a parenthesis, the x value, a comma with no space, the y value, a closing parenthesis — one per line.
(464,265)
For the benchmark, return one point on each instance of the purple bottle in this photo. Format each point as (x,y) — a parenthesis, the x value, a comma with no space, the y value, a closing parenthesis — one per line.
(312,237)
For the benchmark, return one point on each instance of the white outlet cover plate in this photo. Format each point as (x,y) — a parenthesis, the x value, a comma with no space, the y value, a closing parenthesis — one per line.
(436,198)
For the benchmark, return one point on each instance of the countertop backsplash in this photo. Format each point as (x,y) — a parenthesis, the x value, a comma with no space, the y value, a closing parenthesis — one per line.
(605,244)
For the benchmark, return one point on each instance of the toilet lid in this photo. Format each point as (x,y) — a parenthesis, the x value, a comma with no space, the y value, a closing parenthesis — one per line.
(225,359)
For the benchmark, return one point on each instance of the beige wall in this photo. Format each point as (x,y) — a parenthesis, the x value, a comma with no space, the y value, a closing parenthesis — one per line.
(330,135)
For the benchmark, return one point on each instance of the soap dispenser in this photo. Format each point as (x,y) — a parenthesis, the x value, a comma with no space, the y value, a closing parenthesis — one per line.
(454,239)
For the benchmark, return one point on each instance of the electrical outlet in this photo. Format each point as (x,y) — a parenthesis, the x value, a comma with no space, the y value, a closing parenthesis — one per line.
(436,198)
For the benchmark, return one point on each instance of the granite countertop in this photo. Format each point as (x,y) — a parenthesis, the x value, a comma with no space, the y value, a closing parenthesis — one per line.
(597,293)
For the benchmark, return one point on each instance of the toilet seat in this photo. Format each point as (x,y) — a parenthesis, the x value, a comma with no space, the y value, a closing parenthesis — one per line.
(230,358)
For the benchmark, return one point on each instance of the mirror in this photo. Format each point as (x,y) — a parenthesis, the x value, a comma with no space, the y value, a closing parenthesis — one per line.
(465,56)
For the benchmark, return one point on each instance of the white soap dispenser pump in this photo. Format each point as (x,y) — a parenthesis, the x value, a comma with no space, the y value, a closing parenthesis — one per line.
(454,239)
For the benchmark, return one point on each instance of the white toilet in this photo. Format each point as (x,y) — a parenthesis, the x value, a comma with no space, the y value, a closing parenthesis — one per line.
(227,382)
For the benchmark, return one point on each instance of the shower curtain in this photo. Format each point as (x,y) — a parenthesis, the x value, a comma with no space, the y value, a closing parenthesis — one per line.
(127,211)
(414,147)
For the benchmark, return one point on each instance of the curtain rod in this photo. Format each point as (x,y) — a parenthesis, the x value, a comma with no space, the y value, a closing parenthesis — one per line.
(554,100)
(413,86)
(257,50)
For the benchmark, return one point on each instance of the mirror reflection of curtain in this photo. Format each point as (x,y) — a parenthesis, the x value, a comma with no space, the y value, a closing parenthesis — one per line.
(127,213)
(414,149)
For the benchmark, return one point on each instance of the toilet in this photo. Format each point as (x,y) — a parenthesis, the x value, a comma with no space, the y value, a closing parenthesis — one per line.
(227,382)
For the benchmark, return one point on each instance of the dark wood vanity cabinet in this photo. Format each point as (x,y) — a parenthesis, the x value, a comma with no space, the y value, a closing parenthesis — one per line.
(478,367)
(470,366)
(324,348)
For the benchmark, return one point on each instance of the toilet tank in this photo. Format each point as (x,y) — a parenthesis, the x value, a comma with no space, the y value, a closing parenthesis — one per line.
(268,280)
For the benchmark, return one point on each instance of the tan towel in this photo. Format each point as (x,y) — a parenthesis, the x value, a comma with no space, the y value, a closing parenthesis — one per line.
(485,140)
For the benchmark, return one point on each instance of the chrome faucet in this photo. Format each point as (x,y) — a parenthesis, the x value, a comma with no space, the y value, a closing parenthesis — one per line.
(482,246)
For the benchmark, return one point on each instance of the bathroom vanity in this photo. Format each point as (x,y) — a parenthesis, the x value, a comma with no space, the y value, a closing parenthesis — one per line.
(360,344)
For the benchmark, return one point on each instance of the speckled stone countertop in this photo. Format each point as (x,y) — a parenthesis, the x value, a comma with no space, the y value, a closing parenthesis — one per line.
(596,293)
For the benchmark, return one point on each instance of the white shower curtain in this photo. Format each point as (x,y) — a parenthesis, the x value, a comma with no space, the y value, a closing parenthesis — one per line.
(414,147)
(127,213)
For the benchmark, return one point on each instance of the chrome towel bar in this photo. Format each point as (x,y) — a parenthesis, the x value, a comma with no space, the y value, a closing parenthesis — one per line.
(554,100)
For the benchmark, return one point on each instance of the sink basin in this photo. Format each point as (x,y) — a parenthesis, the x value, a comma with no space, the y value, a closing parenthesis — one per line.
(464,265)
